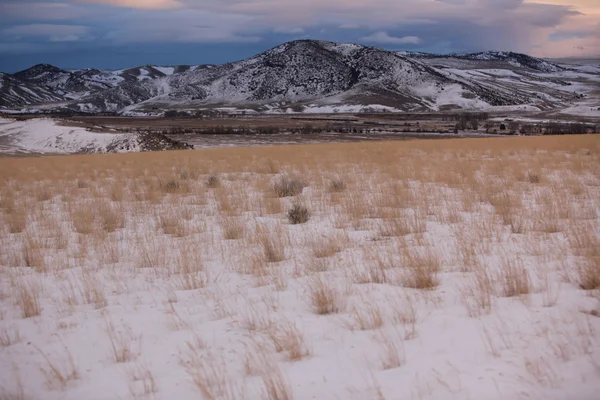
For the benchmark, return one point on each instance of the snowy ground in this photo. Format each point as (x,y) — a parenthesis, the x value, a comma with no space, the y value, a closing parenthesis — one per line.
(457,269)
(44,135)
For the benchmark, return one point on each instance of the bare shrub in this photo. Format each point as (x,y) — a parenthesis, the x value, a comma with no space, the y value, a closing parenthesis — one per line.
(287,187)
(337,185)
(298,214)
(213,182)
(533,177)
(171,186)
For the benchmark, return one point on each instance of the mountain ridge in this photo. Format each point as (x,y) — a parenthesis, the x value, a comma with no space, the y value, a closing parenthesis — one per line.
(297,72)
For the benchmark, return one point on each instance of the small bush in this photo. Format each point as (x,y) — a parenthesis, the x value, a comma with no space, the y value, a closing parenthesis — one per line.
(337,186)
(287,187)
(298,214)
(532,177)
(171,186)
(213,182)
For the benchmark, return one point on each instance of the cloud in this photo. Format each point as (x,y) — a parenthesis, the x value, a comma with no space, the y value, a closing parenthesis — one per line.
(52,33)
(41,11)
(183,26)
(384,38)
(288,30)
(548,27)
(140,4)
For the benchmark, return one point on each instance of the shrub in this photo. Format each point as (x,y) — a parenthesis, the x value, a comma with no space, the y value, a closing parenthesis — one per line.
(287,187)
(172,186)
(298,214)
(533,177)
(337,186)
(213,182)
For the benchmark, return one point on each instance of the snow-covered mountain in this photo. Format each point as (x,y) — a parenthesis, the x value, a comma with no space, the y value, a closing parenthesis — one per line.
(514,59)
(300,74)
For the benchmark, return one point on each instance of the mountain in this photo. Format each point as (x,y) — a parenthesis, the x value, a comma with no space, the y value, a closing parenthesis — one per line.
(300,74)
(18,93)
(514,59)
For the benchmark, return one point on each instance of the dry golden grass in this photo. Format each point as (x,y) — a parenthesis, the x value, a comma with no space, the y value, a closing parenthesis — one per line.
(122,341)
(420,269)
(514,278)
(392,350)
(324,297)
(142,381)
(233,228)
(276,386)
(288,339)
(59,372)
(394,229)
(367,316)
(27,294)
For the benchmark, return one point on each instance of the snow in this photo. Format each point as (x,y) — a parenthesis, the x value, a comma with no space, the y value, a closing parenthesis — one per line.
(590,69)
(256,82)
(583,110)
(500,72)
(539,345)
(43,135)
(165,70)
(341,108)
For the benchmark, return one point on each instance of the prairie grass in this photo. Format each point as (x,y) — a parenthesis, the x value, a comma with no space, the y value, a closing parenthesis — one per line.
(324,297)
(401,237)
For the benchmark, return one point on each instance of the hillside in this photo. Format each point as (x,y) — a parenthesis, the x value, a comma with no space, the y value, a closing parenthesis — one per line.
(305,75)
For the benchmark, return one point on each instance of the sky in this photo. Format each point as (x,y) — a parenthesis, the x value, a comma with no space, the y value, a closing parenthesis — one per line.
(113,34)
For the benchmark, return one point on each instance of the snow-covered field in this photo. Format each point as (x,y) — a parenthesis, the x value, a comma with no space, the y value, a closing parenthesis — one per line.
(457,269)
(45,135)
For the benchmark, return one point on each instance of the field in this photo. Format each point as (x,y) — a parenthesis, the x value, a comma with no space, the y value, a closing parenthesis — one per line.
(455,269)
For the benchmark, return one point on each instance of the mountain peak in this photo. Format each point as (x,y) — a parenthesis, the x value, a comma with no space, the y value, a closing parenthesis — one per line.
(299,73)
(37,70)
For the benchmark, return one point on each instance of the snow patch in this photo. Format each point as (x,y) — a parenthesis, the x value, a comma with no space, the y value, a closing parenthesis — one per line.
(166,70)
(45,135)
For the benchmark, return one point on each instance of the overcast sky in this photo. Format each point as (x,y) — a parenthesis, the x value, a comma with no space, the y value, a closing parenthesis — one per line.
(125,33)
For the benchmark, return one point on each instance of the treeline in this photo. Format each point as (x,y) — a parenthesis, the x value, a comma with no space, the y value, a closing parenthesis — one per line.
(264,130)
(203,114)
(557,128)
(466,117)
